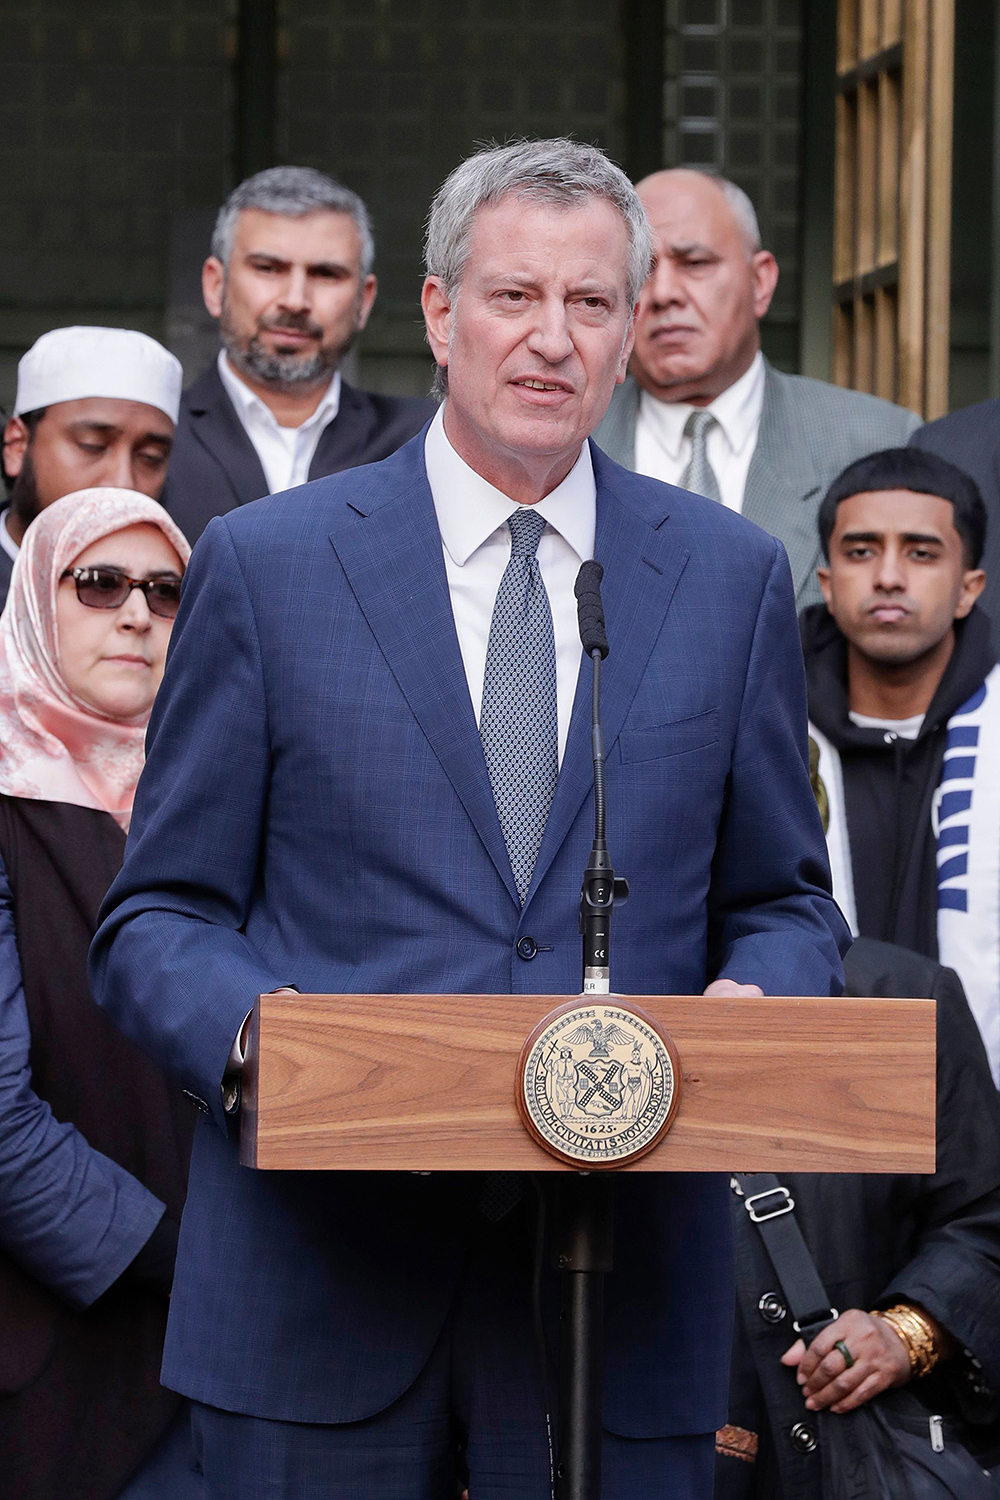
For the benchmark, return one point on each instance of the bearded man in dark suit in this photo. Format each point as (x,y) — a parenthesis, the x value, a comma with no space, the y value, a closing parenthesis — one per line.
(290,280)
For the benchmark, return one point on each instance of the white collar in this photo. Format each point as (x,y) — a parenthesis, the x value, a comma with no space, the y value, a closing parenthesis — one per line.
(7,542)
(737,411)
(247,401)
(469,508)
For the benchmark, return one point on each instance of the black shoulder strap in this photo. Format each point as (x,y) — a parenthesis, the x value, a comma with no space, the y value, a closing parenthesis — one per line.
(771,1208)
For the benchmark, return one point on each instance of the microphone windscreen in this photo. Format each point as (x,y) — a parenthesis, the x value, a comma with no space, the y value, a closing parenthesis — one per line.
(590,610)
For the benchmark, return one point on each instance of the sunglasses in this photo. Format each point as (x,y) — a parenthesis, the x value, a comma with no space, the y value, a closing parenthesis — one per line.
(108,588)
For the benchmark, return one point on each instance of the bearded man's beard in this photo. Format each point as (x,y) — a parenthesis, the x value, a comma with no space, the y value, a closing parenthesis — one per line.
(23,495)
(282,372)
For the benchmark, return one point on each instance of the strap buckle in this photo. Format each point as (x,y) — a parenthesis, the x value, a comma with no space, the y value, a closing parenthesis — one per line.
(817,1321)
(784,1206)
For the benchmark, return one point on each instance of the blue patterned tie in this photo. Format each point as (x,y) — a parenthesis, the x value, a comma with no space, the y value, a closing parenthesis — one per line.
(699,476)
(518,724)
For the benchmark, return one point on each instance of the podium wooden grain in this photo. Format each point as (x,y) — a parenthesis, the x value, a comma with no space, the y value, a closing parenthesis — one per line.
(426,1083)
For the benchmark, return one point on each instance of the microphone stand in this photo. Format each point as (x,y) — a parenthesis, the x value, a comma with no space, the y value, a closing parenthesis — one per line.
(586,1199)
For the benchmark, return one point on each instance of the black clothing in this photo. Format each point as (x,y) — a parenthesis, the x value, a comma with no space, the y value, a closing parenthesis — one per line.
(889,783)
(81,1405)
(876,1240)
(970,439)
(6,563)
(214,466)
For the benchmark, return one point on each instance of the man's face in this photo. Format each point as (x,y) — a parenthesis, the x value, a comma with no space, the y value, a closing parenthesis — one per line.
(292,298)
(897,578)
(538,333)
(77,445)
(698,314)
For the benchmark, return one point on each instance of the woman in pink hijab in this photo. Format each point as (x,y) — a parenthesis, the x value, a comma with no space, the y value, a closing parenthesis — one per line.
(93,1141)
(78,678)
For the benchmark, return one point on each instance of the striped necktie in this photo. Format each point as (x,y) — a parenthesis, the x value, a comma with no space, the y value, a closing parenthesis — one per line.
(518,723)
(699,476)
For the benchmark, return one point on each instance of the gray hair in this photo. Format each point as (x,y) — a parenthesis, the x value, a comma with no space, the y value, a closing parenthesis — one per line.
(739,204)
(555,171)
(743,212)
(292,191)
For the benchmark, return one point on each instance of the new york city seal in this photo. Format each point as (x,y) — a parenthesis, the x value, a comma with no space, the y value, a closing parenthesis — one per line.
(598,1084)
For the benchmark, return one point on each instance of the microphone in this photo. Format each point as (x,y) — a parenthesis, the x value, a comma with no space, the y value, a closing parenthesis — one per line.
(600,888)
(590,610)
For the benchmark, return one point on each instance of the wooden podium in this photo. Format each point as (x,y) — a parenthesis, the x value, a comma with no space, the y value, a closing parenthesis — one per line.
(439,1083)
(426,1083)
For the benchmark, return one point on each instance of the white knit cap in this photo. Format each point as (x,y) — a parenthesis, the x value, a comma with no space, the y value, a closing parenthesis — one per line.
(70,363)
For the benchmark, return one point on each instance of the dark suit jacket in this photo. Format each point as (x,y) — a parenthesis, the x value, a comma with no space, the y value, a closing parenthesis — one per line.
(971,439)
(214,466)
(316,810)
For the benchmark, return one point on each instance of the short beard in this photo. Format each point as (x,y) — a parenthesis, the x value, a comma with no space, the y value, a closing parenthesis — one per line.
(23,495)
(285,373)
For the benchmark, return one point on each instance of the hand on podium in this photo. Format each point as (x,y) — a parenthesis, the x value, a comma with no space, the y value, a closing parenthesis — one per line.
(728,988)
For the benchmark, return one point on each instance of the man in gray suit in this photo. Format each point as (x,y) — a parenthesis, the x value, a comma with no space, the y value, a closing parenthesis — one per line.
(702,408)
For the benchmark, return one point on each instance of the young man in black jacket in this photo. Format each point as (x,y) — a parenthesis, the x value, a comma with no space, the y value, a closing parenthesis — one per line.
(904,704)
(929,1243)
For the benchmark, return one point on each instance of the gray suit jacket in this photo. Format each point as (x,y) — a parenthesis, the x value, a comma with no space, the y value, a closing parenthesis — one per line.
(809,431)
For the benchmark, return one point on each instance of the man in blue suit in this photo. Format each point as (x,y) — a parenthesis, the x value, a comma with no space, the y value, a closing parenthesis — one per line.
(369,770)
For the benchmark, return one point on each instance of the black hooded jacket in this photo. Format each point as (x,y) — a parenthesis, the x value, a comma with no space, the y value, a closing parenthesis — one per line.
(878,1239)
(889,783)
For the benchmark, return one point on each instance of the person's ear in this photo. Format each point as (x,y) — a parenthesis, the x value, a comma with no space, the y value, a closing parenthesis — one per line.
(973,583)
(369,291)
(764,271)
(437,310)
(16,438)
(628,346)
(213,284)
(823,576)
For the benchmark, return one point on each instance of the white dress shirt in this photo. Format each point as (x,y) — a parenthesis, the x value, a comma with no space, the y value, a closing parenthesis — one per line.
(285,453)
(472,518)
(663,452)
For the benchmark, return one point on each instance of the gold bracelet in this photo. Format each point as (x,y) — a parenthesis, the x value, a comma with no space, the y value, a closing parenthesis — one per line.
(917,1336)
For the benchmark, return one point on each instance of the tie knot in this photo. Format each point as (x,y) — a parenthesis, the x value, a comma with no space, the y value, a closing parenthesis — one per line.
(526,527)
(698,425)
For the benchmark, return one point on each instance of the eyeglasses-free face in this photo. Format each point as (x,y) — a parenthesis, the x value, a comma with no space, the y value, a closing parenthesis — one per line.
(108,588)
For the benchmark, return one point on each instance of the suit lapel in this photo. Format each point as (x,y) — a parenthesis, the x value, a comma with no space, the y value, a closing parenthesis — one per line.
(642,567)
(389,546)
(343,442)
(216,426)
(615,433)
(781,478)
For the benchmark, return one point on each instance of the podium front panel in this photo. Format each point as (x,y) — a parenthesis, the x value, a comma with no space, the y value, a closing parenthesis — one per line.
(426,1083)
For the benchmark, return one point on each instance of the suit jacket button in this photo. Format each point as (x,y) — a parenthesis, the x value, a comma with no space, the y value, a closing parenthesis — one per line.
(771,1307)
(803,1438)
(526,948)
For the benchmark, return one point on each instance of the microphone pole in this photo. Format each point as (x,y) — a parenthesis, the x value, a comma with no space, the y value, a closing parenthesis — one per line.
(600,889)
(586,1217)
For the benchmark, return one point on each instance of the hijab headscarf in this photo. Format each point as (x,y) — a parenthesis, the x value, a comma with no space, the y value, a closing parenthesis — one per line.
(53,746)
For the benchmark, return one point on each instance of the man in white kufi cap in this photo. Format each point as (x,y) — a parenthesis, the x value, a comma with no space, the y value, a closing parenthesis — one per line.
(94,406)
